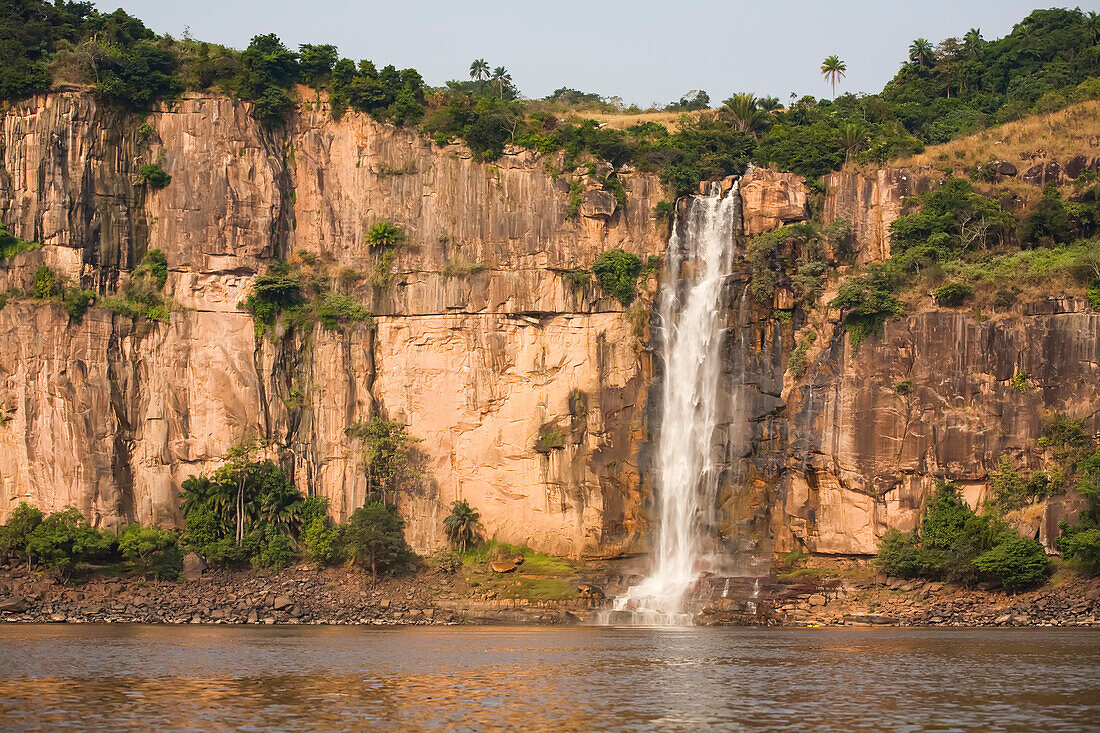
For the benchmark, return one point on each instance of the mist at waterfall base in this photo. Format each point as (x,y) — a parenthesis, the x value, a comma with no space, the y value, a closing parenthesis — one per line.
(699,261)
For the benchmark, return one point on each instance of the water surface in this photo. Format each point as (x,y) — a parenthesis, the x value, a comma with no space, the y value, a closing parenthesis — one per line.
(578,678)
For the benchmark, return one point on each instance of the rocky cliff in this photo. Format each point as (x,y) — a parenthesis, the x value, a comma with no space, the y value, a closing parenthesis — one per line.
(111,413)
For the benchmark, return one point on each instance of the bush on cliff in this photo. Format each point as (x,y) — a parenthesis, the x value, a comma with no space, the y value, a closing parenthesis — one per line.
(152,550)
(957,545)
(617,272)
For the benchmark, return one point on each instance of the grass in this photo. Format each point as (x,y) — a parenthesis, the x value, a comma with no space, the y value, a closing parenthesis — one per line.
(621,121)
(1061,134)
(541,577)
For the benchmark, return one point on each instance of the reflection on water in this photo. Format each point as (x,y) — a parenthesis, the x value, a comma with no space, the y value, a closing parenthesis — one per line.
(498,678)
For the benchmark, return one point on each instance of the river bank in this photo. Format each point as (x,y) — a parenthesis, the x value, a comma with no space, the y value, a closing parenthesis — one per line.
(336,596)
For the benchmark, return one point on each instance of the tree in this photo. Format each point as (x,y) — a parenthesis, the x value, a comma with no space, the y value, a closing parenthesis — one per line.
(832,68)
(973,42)
(502,79)
(14,535)
(384,235)
(152,549)
(1092,26)
(385,453)
(374,536)
(461,525)
(920,52)
(63,540)
(852,136)
(479,70)
(744,113)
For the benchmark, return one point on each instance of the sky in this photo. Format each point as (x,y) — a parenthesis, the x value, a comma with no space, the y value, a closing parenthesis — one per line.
(640,50)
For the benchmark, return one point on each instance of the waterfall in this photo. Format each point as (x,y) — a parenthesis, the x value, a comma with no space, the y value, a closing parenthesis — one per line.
(687,465)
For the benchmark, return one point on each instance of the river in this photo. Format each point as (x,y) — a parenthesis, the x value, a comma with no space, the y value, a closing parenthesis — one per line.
(547,678)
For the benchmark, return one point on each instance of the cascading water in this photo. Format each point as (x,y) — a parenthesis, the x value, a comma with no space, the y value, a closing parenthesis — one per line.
(700,258)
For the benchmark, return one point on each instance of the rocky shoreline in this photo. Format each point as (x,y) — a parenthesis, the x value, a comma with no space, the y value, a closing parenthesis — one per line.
(338,597)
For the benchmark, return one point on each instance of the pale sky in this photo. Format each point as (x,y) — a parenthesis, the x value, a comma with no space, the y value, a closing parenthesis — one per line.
(641,50)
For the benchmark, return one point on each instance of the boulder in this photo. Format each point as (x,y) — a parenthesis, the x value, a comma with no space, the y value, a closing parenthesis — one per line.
(1042,173)
(596,204)
(1078,164)
(502,567)
(816,600)
(193,565)
(1003,168)
(14,604)
(281,602)
(770,199)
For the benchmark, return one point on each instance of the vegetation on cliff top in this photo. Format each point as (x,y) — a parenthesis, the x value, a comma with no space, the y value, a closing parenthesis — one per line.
(1050,59)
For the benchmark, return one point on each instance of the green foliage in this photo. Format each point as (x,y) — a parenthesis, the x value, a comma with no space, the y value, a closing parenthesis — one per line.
(577,278)
(551,437)
(867,302)
(1010,490)
(233,515)
(617,272)
(1016,561)
(899,556)
(386,452)
(76,302)
(10,245)
(957,545)
(336,309)
(576,198)
(944,517)
(385,235)
(63,540)
(46,283)
(462,525)
(952,295)
(154,176)
(276,551)
(153,550)
(374,537)
(797,363)
(1081,544)
(447,562)
(320,541)
(272,294)
(16,533)
(793,254)
(951,220)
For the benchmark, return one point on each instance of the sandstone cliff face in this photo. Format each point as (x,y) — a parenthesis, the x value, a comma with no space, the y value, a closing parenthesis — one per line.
(110,415)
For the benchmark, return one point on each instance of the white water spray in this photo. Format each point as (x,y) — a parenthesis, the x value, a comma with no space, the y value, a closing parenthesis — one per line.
(687,468)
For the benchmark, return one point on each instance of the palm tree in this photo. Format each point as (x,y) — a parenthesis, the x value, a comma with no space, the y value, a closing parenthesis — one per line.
(769,104)
(479,70)
(461,525)
(920,52)
(1092,26)
(502,78)
(833,68)
(851,137)
(743,113)
(973,42)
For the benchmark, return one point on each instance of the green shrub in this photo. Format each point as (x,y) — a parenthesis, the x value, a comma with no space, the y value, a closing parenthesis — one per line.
(1081,545)
(272,294)
(384,235)
(76,302)
(63,540)
(447,562)
(944,517)
(155,176)
(551,437)
(374,537)
(576,198)
(1093,297)
(1009,490)
(617,272)
(952,295)
(320,541)
(46,283)
(153,550)
(336,309)
(15,534)
(276,551)
(11,245)
(1017,562)
(867,302)
(899,555)
(577,278)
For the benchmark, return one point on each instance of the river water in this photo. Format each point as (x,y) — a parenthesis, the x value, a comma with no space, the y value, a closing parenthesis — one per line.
(136,677)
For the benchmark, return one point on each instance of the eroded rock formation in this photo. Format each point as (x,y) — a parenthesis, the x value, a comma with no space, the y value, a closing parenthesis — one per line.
(479,341)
